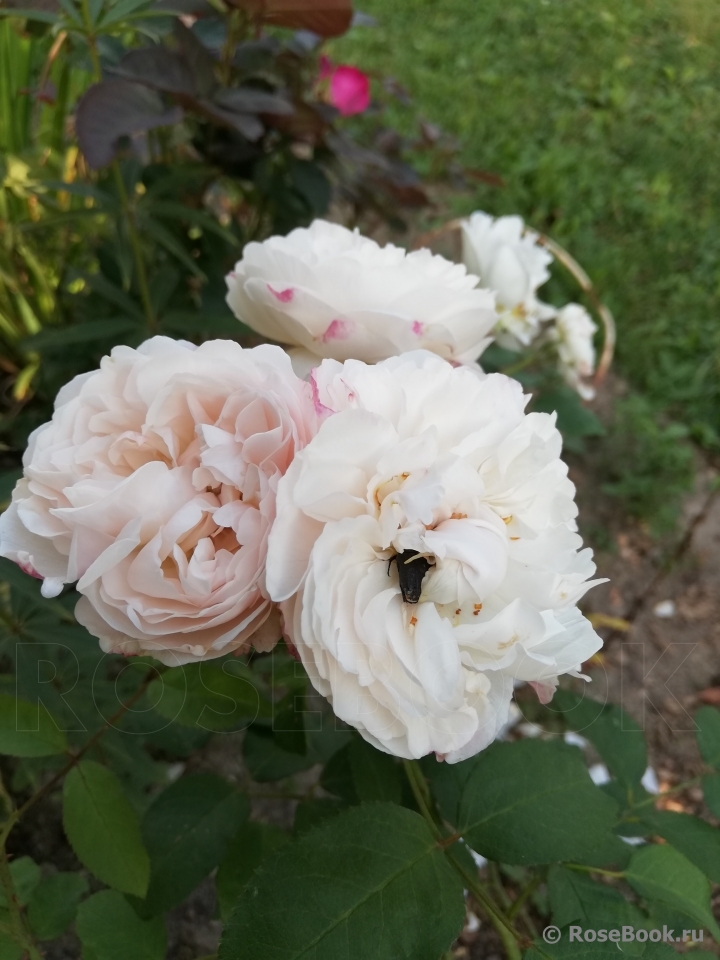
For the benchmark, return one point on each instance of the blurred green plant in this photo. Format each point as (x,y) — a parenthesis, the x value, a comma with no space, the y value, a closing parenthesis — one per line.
(384,857)
(648,463)
(139,150)
(28,262)
(598,124)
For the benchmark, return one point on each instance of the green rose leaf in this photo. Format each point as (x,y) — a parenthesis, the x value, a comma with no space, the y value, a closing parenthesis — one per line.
(9,950)
(26,876)
(663,873)
(531,802)
(28,730)
(359,773)
(251,844)
(612,851)
(187,830)
(693,837)
(210,696)
(711,791)
(54,904)
(371,883)
(377,776)
(311,813)
(288,724)
(103,828)
(660,915)
(448,781)
(708,735)
(109,929)
(614,734)
(337,777)
(267,760)
(575,898)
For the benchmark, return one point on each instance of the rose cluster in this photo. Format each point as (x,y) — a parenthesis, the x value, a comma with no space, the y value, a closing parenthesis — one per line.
(509,258)
(397,515)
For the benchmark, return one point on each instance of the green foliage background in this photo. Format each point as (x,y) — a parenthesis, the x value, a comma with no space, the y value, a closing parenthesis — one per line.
(379,854)
(603,120)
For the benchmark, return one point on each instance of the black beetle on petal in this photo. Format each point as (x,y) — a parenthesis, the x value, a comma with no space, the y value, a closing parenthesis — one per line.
(411,567)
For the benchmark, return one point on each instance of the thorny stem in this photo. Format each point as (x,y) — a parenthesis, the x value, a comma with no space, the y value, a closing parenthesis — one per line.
(120,183)
(508,934)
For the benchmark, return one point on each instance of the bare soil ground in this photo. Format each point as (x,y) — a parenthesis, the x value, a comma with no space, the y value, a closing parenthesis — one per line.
(667,662)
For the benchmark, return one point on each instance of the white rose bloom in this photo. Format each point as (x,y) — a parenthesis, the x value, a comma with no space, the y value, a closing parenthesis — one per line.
(153,486)
(509,261)
(338,294)
(573,333)
(428,483)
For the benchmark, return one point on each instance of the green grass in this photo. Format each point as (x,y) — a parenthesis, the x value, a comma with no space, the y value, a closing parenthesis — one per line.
(604,121)
(646,464)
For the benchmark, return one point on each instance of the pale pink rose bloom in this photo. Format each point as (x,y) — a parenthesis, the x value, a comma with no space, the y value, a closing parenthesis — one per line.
(153,486)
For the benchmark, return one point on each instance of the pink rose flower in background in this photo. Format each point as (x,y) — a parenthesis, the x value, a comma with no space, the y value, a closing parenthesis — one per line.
(153,486)
(349,88)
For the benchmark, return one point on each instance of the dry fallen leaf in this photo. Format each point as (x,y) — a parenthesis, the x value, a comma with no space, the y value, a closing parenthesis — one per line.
(604,620)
